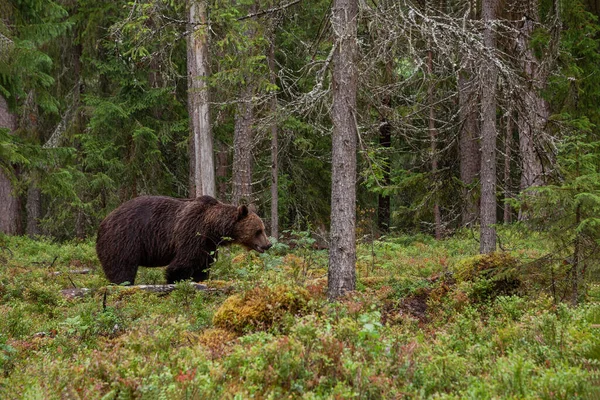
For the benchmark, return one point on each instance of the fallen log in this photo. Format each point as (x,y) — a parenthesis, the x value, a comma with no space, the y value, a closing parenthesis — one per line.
(74,271)
(73,293)
(168,287)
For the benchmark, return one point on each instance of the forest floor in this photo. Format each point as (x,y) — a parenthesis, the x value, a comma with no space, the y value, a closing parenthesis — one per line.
(429,319)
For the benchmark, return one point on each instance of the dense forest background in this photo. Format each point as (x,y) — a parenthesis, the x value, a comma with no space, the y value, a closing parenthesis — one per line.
(463,111)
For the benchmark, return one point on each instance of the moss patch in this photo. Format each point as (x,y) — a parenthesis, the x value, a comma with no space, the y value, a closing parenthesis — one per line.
(260,308)
(489,275)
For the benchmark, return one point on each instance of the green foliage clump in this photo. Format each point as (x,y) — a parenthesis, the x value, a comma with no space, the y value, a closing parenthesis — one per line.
(489,275)
(7,355)
(260,308)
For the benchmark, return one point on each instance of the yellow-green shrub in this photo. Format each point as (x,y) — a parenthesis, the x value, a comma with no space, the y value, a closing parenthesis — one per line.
(488,275)
(260,308)
(498,264)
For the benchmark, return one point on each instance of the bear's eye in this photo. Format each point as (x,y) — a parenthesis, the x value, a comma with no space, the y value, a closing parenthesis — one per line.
(258,232)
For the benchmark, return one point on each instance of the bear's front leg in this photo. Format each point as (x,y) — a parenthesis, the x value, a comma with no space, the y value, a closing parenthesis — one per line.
(175,273)
(180,270)
(202,268)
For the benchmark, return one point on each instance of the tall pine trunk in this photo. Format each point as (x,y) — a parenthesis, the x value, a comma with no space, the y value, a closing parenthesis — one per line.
(534,110)
(34,210)
(243,131)
(385,141)
(274,146)
(33,203)
(383,201)
(29,125)
(198,101)
(507,155)
(9,201)
(221,169)
(488,133)
(470,158)
(342,253)
(437,217)
(81,222)
(242,149)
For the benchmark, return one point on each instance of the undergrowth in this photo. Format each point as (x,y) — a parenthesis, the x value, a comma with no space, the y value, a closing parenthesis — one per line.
(428,320)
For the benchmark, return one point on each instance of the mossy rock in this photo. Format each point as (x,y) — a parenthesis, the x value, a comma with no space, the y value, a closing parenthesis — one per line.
(489,275)
(260,308)
(493,265)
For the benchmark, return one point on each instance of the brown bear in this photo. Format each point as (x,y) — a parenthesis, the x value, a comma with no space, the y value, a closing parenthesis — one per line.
(154,231)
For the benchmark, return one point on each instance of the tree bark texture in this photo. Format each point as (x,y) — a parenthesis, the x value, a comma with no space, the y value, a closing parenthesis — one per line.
(385,142)
(507,154)
(534,111)
(242,149)
(437,216)
(198,99)
(81,222)
(594,7)
(576,268)
(9,202)
(383,206)
(192,157)
(29,124)
(34,210)
(274,146)
(342,253)
(488,134)
(470,157)
(222,166)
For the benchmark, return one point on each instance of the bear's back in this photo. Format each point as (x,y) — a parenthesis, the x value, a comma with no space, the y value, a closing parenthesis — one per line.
(141,228)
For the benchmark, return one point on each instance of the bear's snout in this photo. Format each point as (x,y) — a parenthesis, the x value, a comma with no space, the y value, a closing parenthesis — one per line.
(261,246)
(262,249)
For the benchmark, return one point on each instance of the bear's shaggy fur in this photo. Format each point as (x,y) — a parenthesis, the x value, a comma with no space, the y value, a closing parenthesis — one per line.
(154,231)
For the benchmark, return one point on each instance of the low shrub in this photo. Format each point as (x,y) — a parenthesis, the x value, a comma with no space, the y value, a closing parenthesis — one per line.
(260,308)
(486,276)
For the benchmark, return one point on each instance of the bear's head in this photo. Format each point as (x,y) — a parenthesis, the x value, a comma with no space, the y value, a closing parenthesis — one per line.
(249,231)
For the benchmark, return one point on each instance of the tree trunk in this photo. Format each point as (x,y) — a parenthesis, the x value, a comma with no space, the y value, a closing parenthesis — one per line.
(243,134)
(470,158)
(383,207)
(534,113)
(242,149)
(488,133)
(274,146)
(576,260)
(507,155)
(34,210)
(222,164)
(342,253)
(575,269)
(9,202)
(433,138)
(198,101)
(385,142)
(29,124)
(81,222)
(191,155)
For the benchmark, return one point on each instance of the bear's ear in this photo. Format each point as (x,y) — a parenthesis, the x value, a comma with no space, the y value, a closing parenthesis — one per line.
(242,212)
